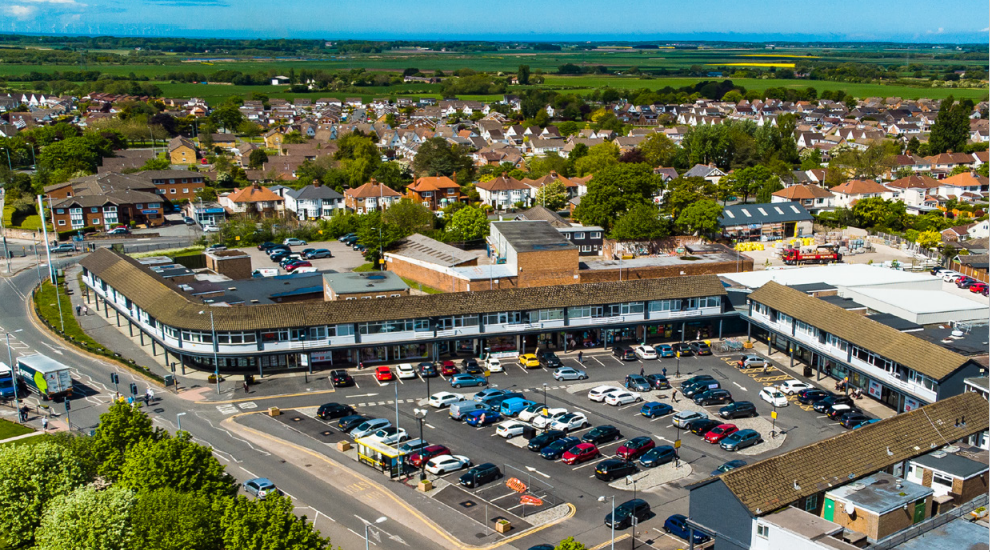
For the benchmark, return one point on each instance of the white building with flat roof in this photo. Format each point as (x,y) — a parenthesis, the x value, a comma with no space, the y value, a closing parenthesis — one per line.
(919,306)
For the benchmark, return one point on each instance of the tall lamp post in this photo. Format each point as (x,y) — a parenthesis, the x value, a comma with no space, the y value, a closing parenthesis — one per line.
(178,421)
(421,416)
(216,346)
(630,480)
(602,499)
(382,519)
(13,373)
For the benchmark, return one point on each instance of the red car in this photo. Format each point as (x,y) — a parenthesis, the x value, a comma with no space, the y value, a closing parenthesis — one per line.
(634,448)
(419,458)
(580,453)
(382,373)
(720,432)
(291,267)
(978,287)
(448,368)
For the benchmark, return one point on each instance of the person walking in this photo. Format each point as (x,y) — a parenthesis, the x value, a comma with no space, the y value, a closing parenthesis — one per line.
(580,357)
(642,371)
(78,310)
(673,396)
(44,423)
(664,372)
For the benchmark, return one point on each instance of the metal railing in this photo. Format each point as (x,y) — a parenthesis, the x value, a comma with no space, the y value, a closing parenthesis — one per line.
(929,524)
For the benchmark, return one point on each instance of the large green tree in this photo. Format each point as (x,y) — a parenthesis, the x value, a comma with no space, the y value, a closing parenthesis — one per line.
(553,196)
(683,191)
(121,427)
(437,157)
(641,222)
(701,217)
(88,519)
(175,463)
(267,524)
(468,224)
(598,157)
(377,235)
(658,150)
(410,217)
(951,128)
(614,190)
(166,519)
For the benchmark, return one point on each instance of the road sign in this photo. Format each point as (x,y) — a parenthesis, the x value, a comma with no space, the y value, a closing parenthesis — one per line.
(773,414)
(677,444)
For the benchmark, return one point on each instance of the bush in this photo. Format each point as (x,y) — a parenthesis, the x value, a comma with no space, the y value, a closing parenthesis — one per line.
(67,234)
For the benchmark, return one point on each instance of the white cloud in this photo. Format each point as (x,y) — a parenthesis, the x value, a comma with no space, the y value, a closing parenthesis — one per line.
(64,2)
(939,31)
(20,12)
(987,30)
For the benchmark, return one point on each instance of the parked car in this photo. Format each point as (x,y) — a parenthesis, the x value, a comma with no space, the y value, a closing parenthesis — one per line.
(658,456)
(260,487)
(556,449)
(294,241)
(636,509)
(684,417)
(188,221)
(570,422)
(836,411)
(512,406)
(602,434)
(208,228)
(621,397)
(853,419)
(653,409)
(568,373)
(645,352)
(581,452)
(867,422)
(624,353)
(482,417)
(382,373)
(292,267)
(411,447)
(494,365)
(978,287)
(290,258)
(752,361)
(467,380)
(682,349)
(123,230)
(677,525)
(543,421)
(405,371)
(539,442)
(950,276)
(658,381)
(334,410)
(390,435)
(529,361)
(738,409)
(664,350)
(427,370)
(490,393)
(549,359)
(703,426)
(637,382)
(773,396)
(347,237)
(473,367)
(720,432)
(700,348)
(614,468)
(348,423)
(446,463)
(510,428)
(597,394)
(740,440)
(699,387)
(793,387)
(696,379)
(460,409)
(811,396)
(634,448)
(444,399)
(279,254)
(319,254)
(424,455)
(369,427)
(713,396)
(727,467)
(826,403)
(935,271)
(965,282)
(448,368)
(530,413)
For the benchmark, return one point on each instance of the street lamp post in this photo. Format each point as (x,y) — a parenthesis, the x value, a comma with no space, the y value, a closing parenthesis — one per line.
(216,359)
(602,499)
(13,373)
(178,422)
(421,416)
(629,480)
(545,397)
(382,519)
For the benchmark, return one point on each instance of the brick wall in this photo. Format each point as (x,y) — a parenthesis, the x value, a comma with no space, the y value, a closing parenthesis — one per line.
(446,282)
(968,489)
(547,268)
(688,269)
(235,268)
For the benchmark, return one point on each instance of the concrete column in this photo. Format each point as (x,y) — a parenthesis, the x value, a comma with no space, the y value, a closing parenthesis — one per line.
(106,309)
(684,338)
(164,350)
(790,345)
(130,328)
(769,343)
(749,331)
(182,360)
(720,328)
(154,349)
(117,312)
(141,336)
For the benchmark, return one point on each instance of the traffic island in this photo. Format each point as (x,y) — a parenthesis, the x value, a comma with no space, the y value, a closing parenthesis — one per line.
(653,477)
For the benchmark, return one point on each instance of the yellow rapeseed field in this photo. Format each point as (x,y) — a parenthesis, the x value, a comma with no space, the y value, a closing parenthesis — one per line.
(755,64)
(778,56)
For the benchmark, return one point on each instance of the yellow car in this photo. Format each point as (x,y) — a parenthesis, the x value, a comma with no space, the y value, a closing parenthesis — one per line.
(529,361)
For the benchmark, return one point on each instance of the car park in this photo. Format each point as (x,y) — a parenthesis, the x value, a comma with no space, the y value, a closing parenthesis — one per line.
(720,432)
(529,413)
(727,467)
(427,370)
(682,350)
(700,348)
(664,350)
(447,463)
(773,396)
(334,410)
(548,359)
(658,456)
(467,380)
(369,427)
(341,378)
(658,381)
(619,398)
(482,417)
(634,448)
(405,371)
(614,468)
(597,394)
(445,398)
(637,382)
(348,423)
(570,422)
(543,421)
(684,417)
(294,241)
(752,361)
(645,352)
(702,426)
(624,353)
(424,455)
(602,434)
(411,447)
(811,396)
(853,419)
(793,387)
(319,254)
(260,487)
(383,373)
(556,449)
(654,409)
(826,403)
(494,365)
(511,428)
(208,228)
(514,405)
(581,452)
(460,409)
(740,440)
(480,475)
(448,368)
(529,361)
(677,525)
(699,387)
(568,373)
(713,396)
(738,409)
(627,513)
(390,435)
(537,443)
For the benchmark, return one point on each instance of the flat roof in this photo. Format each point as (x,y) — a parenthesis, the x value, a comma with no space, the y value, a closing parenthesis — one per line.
(804,523)
(923,301)
(958,534)
(485,271)
(812,287)
(880,493)
(532,235)
(895,322)
(847,304)
(262,291)
(705,257)
(970,343)
(834,275)
(953,464)
(365,282)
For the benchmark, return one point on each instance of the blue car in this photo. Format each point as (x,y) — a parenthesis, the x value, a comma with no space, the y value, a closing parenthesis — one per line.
(677,526)
(556,449)
(654,409)
(467,380)
(482,417)
(867,422)
(664,351)
(658,456)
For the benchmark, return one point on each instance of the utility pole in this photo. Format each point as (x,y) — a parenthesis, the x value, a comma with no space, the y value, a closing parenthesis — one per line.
(44,231)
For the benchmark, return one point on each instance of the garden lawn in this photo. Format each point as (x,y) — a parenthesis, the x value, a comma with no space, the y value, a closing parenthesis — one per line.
(10,429)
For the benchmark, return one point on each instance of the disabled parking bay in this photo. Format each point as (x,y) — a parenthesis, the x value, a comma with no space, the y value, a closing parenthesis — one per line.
(473,506)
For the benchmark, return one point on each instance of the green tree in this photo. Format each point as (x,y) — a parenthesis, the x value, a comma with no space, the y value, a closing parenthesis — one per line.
(468,224)
(121,427)
(249,128)
(257,159)
(166,519)
(569,544)
(641,222)
(377,235)
(227,117)
(598,157)
(75,154)
(871,212)
(175,463)
(294,137)
(267,525)
(658,150)
(553,196)
(682,192)
(523,74)
(31,477)
(437,157)
(614,190)
(341,223)
(701,217)
(951,128)
(88,519)
(410,217)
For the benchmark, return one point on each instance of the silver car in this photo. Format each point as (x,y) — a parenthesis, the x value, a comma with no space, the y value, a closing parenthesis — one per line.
(684,417)
(370,427)
(568,373)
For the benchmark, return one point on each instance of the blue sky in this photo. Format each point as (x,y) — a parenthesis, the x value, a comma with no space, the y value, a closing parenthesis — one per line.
(834,20)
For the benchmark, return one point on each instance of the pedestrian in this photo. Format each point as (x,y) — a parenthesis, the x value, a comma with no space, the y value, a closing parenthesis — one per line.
(673,396)
(24,413)
(78,310)
(245,387)
(150,394)
(664,372)
(580,357)
(85,310)
(44,423)
(642,370)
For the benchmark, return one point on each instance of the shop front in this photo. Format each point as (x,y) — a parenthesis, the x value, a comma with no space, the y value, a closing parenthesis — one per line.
(501,345)
(460,347)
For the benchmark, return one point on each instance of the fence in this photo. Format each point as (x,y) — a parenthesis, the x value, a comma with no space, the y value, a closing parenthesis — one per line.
(900,537)
(978,273)
(897,241)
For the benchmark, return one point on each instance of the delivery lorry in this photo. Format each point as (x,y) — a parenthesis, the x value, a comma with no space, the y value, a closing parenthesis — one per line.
(7,385)
(45,376)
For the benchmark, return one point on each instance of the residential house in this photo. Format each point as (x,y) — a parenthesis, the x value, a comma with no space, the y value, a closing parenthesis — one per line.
(813,198)
(273,138)
(916,193)
(313,201)
(877,505)
(945,162)
(107,210)
(504,192)
(435,192)
(174,186)
(955,474)
(254,199)
(182,151)
(967,186)
(370,196)
(956,233)
(709,172)
(848,193)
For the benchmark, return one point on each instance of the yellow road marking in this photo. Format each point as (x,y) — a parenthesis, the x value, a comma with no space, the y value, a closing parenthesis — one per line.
(250,399)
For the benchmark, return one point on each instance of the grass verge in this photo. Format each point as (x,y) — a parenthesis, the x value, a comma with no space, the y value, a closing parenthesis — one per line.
(10,429)
(25,441)
(170,252)
(423,287)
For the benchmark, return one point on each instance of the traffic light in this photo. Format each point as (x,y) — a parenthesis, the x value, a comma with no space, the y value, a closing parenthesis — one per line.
(133,389)
(67,405)
(114,378)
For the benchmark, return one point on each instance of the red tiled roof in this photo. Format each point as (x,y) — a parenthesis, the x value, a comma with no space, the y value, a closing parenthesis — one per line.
(854,187)
(253,194)
(372,189)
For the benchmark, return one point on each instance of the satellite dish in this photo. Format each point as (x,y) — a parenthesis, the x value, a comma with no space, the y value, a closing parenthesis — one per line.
(849,508)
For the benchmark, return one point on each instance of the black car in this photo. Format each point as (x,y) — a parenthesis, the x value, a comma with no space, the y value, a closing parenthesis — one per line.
(683,349)
(347,423)
(658,381)
(826,404)
(696,379)
(853,419)
(427,370)
(276,248)
(624,353)
(279,255)
(738,409)
(700,348)
(702,426)
(334,410)
(471,366)
(340,378)
(728,466)
(556,449)
(548,359)
(614,468)
(625,513)
(690,391)
(265,246)
(836,414)
(713,396)
(536,444)
(811,396)
(480,475)
(602,434)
